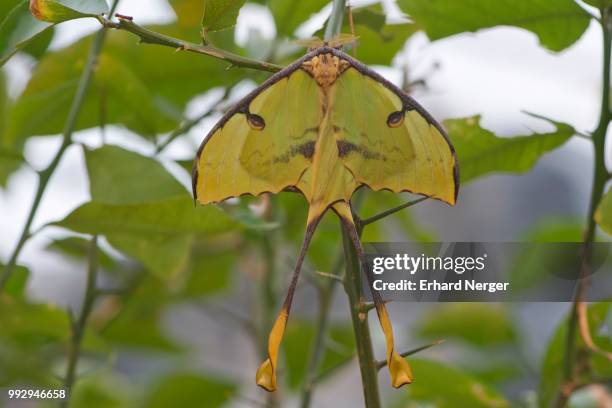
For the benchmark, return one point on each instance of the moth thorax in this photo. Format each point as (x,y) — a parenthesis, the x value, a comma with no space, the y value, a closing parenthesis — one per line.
(325,68)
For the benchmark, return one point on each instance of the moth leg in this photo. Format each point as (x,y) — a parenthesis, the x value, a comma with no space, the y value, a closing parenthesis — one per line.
(266,373)
(399,369)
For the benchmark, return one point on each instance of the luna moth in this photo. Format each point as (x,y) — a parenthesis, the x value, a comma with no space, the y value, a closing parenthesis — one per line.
(325,126)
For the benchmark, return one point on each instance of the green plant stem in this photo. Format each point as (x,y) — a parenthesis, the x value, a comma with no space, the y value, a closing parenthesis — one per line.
(600,177)
(151,37)
(363,340)
(352,278)
(45,175)
(334,24)
(317,348)
(268,295)
(188,124)
(78,327)
(390,211)
(317,351)
(383,363)
(268,298)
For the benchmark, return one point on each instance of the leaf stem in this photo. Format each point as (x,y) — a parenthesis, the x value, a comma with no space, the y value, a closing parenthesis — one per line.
(383,363)
(78,327)
(334,24)
(151,37)
(352,278)
(188,124)
(45,175)
(363,340)
(390,211)
(600,177)
(326,295)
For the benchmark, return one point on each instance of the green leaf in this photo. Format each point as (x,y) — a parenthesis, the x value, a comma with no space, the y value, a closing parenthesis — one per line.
(446,387)
(10,159)
(555,229)
(32,325)
(603,215)
(138,322)
(189,390)
(372,17)
(21,29)
(9,162)
(17,284)
(243,214)
(377,43)
(102,389)
(188,12)
(165,255)
(143,87)
(558,24)
(18,28)
(220,14)
(470,322)
(534,263)
(138,326)
(551,375)
(379,47)
(299,340)
(480,152)
(289,15)
(58,11)
(119,176)
(42,108)
(208,273)
(171,216)
(600,4)
(4,103)
(158,234)
(39,44)
(77,248)
(32,337)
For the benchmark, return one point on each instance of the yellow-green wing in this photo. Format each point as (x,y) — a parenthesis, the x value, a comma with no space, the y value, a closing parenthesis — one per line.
(263,145)
(388,141)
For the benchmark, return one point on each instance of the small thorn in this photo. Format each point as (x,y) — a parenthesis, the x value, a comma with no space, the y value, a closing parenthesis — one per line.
(329,276)
(366,307)
(123,17)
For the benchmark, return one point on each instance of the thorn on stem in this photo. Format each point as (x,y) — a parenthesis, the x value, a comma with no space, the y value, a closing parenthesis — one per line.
(124,17)
(382,363)
(330,276)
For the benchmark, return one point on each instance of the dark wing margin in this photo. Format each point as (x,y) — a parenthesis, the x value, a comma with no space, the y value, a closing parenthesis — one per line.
(242,107)
(408,102)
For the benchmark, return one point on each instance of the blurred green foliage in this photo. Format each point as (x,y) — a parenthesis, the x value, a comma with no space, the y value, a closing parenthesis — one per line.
(474,323)
(592,365)
(481,152)
(446,387)
(558,24)
(220,14)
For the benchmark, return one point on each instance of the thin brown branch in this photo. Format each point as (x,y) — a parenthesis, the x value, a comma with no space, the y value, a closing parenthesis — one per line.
(585,332)
(578,312)
(147,36)
(337,278)
(390,211)
(78,327)
(382,363)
